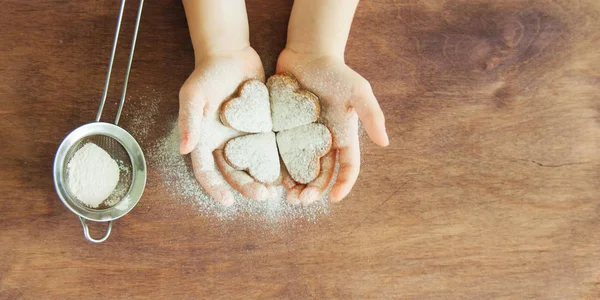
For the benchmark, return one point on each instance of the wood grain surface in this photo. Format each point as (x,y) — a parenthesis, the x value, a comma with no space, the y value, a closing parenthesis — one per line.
(490,188)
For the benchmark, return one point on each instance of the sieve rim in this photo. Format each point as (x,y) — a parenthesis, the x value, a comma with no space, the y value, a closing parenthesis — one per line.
(138,166)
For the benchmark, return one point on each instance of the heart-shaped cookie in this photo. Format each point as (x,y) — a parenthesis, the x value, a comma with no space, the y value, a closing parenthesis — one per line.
(256,154)
(290,105)
(301,149)
(250,111)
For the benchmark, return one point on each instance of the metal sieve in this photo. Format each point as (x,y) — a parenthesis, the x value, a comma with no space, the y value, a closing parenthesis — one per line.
(117,142)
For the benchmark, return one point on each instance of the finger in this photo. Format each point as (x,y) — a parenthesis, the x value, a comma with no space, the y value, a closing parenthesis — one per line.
(291,186)
(293,195)
(240,180)
(314,190)
(349,158)
(286,180)
(191,107)
(209,178)
(370,114)
(273,193)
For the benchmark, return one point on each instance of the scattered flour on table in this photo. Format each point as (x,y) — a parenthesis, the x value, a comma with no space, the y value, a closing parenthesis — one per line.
(92,175)
(178,178)
(141,119)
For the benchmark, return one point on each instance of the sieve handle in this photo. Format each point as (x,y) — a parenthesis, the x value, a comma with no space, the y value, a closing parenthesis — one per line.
(86,232)
(112,59)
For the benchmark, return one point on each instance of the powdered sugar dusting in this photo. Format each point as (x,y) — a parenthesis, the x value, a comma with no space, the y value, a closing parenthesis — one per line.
(291,107)
(178,179)
(213,134)
(256,153)
(251,111)
(142,118)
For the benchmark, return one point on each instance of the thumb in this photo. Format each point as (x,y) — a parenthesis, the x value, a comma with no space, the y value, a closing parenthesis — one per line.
(366,106)
(191,107)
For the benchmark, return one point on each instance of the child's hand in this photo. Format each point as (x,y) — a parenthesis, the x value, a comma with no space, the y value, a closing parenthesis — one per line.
(214,80)
(344,96)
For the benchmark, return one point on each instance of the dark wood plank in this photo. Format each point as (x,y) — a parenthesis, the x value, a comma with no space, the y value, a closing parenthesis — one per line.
(490,188)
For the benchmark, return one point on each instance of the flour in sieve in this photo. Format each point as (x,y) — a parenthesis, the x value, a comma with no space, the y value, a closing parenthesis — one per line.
(119,193)
(92,175)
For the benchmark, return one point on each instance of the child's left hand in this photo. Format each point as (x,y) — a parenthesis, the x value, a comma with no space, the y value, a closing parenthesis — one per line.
(345,96)
(203,135)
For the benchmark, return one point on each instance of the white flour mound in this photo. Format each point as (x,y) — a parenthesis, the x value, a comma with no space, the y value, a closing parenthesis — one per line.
(92,175)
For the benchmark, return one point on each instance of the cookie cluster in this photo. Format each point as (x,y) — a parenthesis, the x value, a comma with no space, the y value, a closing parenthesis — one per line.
(280,121)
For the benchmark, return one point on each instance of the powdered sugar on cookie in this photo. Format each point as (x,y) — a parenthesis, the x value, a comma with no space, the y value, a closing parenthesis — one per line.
(293,111)
(301,149)
(290,105)
(255,153)
(250,111)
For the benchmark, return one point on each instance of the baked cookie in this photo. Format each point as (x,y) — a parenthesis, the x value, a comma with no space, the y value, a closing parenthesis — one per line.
(255,154)
(250,111)
(291,106)
(301,149)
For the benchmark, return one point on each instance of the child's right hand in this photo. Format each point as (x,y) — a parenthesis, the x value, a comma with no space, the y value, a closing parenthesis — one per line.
(214,80)
(345,97)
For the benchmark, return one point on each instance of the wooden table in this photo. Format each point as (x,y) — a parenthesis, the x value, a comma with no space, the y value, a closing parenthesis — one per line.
(490,187)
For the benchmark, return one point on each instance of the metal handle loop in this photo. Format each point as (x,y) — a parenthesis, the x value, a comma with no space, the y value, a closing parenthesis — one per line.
(86,232)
